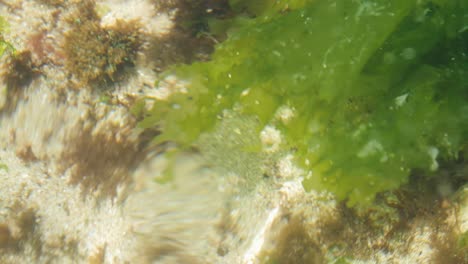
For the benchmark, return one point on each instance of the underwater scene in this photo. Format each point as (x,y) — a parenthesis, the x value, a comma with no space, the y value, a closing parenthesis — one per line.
(234,131)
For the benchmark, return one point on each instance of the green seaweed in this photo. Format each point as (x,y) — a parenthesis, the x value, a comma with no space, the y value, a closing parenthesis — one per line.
(378,88)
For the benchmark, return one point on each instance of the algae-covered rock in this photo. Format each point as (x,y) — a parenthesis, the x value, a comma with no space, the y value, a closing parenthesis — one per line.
(95,53)
(378,88)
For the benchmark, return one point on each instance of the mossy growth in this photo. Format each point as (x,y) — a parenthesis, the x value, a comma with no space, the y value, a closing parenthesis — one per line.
(377,88)
(97,54)
(295,245)
(51,2)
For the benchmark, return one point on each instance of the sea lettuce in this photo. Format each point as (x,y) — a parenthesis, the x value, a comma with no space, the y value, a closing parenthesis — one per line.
(378,88)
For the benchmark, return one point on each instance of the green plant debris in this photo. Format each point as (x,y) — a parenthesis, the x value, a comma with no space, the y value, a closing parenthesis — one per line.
(105,99)
(341,260)
(168,173)
(95,53)
(3,24)
(463,241)
(378,88)
(4,45)
(3,167)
